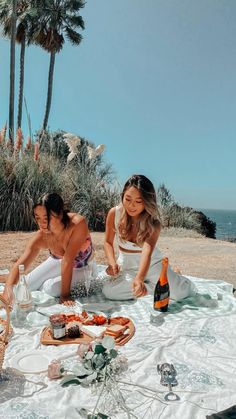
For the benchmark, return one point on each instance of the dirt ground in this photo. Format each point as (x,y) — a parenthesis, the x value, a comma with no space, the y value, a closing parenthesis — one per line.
(196,255)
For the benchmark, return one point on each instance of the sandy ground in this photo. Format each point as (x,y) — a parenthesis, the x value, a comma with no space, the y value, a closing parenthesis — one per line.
(194,255)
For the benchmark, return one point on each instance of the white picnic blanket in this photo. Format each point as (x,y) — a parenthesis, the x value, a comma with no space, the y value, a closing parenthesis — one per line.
(197,335)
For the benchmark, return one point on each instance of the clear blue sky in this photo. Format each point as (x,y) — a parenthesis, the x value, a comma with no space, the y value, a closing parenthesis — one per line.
(155,81)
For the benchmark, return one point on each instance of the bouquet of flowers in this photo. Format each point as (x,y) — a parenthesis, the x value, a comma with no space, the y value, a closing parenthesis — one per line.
(99,366)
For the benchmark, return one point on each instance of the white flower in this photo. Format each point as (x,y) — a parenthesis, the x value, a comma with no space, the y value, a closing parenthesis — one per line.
(94,152)
(72,142)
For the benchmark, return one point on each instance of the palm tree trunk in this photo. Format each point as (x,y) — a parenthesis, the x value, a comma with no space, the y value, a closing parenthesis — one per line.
(12,73)
(49,94)
(21,82)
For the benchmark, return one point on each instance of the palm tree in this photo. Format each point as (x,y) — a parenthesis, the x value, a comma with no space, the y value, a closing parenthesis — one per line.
(11,5)
(24,14)
(58,19)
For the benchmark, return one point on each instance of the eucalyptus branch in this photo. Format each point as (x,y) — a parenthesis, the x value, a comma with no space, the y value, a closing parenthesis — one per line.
(99,396)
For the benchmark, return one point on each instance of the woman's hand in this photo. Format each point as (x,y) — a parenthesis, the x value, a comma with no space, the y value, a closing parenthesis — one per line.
(67,301)
(139,288)
(113,270)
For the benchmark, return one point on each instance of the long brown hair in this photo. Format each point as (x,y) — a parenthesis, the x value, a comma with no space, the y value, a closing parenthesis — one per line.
(149,219)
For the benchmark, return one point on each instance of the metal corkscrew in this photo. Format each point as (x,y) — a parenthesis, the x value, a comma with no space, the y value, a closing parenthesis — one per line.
(168,378)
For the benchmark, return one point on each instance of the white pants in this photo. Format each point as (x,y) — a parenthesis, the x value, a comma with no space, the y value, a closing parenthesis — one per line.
(120,288)
(47,276)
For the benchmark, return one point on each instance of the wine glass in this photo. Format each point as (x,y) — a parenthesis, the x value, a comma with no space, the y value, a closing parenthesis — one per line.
(88,270)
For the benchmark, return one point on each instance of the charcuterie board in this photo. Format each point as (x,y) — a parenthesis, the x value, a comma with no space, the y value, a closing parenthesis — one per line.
(128,331)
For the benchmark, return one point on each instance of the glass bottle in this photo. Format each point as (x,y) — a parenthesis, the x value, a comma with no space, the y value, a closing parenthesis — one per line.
(23,298)
(162,289)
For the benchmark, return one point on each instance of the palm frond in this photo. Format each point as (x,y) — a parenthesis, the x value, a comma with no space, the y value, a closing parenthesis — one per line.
(75,21)
(20,32)
(74,5)
(7,27)
(73,36)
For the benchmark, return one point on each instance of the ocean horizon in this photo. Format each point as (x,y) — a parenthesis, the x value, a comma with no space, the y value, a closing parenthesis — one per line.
(225,222)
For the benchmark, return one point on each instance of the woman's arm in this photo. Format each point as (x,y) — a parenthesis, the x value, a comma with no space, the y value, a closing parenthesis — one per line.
(77,239)
(113,268)
(138,286)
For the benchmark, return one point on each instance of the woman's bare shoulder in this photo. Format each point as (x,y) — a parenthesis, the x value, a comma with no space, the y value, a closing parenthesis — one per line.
(112,211)
(111,215)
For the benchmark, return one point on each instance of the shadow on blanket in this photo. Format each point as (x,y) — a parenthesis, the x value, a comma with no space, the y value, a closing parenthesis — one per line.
(13,385)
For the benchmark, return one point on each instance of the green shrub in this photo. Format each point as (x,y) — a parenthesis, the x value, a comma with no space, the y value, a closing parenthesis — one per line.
(174,215)
(86,185)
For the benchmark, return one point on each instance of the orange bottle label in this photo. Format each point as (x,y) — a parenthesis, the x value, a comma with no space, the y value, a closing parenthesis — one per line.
(161,303)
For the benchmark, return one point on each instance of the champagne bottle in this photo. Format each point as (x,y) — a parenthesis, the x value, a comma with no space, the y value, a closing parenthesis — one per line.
(22,297)
(162,289)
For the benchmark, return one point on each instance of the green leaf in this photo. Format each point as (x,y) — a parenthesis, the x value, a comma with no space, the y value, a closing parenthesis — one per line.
(83,413)
(98,416)
(99,362)
(89,355)
(88,365)
(99,349)
(113,353)
(89,379)
(81,371)
(108,342)
(70,379)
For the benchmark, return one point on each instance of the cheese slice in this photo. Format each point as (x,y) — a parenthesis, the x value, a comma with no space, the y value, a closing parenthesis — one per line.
(93,331)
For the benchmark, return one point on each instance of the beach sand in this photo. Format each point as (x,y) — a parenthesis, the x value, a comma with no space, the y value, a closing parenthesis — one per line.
(192,253)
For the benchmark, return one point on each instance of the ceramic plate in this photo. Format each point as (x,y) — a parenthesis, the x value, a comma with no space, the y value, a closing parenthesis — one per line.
(33,362)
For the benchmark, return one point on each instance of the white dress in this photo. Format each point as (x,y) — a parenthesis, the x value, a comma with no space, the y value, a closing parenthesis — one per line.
(119,288)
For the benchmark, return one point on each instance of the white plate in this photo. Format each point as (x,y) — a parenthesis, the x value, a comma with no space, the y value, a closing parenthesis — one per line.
(33,362)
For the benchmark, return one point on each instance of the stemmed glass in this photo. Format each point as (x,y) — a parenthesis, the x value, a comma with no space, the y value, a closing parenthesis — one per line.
(88,270)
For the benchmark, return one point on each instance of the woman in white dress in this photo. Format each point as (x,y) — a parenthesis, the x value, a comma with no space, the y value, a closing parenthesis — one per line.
(136,225)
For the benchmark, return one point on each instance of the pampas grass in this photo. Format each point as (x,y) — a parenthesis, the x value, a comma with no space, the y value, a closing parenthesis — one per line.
(26,173)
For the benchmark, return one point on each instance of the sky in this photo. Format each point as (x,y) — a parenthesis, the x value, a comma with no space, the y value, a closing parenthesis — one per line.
(155,81)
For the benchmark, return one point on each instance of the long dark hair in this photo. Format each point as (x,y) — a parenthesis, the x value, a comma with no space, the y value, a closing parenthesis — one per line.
(53,202)
(149,219)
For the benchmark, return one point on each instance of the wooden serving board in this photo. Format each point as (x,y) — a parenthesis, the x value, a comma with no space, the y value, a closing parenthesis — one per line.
(47,338)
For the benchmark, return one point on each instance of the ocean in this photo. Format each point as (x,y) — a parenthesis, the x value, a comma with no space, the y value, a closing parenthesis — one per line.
(225,223)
